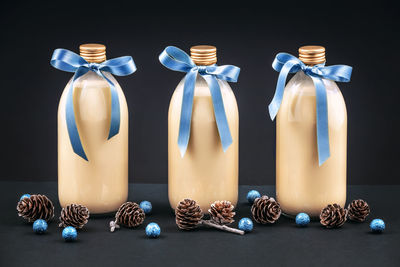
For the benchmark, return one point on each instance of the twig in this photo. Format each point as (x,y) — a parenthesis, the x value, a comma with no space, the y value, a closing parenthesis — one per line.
(222,227)
(113,225)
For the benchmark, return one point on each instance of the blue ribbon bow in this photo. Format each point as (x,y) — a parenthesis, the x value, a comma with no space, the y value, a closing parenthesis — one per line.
(66,60)
(175,59)
(284,64)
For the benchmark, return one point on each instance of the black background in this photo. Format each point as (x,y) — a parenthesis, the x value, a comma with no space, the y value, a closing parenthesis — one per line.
(247,34)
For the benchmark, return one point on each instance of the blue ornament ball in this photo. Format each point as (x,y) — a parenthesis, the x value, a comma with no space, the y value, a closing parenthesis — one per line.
(153,230)
(24,196)
(146,206)
(69,233)
(246,224)
(40,226)
(302,219)
(377,225)
(252,195)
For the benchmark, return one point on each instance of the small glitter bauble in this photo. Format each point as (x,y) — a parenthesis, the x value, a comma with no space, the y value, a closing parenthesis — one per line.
(302,219)
(146,206)
(69,233)
(24,196)
(246,224)
(40,226)
(252,195)
(153,230)
(377,225)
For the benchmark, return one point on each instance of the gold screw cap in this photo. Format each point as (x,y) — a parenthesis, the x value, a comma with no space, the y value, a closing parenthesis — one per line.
(95,53)
(312,54)
(203,55)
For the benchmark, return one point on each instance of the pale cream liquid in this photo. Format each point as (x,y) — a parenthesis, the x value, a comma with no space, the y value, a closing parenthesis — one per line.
(101,184)
(205,173)
(301,184)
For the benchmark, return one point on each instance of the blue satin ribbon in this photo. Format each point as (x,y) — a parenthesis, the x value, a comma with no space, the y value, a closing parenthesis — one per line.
(175,59)
(66,60)
(284,64)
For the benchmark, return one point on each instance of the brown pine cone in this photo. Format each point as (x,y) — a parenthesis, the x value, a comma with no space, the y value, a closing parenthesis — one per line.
(266,210)
(129,214)
(358,210)
(222,212)
(188,214)
(36,207)
(333,216)
(74,215)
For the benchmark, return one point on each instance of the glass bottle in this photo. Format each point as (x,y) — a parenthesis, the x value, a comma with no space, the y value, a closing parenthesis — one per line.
(100,184)
(301,184)
(205,173)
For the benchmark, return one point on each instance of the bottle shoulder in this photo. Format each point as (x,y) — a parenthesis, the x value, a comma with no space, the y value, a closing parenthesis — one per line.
(91,79)
(202,89)
(299,101)
(202,93)
(302,84)
(91,84)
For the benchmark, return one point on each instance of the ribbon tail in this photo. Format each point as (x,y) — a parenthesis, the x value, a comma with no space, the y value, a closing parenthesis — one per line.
(186,111)
(115,113)
(115,121)
(275,104)
(219,111)
(70,118)
(322,120)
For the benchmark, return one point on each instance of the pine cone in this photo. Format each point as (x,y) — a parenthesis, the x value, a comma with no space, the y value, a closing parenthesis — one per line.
(36,207)
(266,210)
(333,216)
(74,215)
(358,210)
(188,214)
(222,212)
(129,214)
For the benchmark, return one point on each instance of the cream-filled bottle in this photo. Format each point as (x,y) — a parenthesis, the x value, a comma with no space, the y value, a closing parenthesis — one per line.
(301,184)
(101,183)
(205,173)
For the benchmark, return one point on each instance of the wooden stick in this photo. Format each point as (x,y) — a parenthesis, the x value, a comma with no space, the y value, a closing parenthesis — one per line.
(222,227)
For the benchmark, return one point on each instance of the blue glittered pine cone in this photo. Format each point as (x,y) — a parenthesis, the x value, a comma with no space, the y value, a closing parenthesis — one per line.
(69,233)
(146,206)
(40,226)
(25,196)
(302,219)
(153,230)
(377,225)
(252,195)
(246,224)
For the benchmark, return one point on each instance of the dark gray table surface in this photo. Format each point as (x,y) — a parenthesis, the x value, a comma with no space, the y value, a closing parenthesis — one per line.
(282,244)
